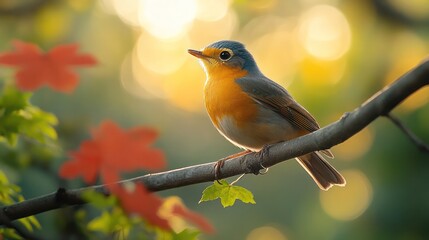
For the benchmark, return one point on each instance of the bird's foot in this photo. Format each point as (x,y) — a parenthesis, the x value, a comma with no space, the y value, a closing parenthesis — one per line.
(219,164)
(263,154)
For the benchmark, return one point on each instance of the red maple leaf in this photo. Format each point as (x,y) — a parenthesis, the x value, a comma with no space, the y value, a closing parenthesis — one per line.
(181,210)
(52,68)
(156,210)
(113,150)
(141,202)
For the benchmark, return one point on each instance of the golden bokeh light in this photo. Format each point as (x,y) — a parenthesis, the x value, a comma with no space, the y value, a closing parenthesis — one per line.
(129,79)
(417,100)
(212,10)
(356,146)
(204,32)
(161,56)
(409,50)
(266,233)
(127,10)
(324,32)
(79,5)
(314,71)
(184,87)
(349,202)
(167,18)
(261,5)
(106,6)
(257,27)
(151,82)
(275,54)
(51,23)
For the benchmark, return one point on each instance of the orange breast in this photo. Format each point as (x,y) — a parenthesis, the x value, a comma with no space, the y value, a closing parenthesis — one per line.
(224,97)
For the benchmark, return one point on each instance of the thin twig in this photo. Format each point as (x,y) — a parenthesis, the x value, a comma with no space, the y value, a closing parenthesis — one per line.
(238,179)
(422,146)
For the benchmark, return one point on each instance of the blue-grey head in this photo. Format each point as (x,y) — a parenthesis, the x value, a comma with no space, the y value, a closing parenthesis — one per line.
(230,54)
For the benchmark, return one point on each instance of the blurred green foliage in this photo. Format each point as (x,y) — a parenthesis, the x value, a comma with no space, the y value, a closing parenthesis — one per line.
(9,194)
(19,117)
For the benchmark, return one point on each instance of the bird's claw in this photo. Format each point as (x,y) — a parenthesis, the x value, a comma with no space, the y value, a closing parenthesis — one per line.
(218,165)
(263,154)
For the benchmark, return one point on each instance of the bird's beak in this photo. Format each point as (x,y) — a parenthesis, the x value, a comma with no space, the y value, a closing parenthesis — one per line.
(198,54)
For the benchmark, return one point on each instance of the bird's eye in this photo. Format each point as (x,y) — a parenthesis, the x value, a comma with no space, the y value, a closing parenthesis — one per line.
(225,55)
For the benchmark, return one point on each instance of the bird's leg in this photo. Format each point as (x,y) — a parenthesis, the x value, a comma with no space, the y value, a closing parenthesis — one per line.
(219,164)
(263,153)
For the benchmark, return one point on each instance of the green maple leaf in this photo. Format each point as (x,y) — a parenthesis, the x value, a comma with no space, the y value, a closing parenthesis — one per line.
(227,193)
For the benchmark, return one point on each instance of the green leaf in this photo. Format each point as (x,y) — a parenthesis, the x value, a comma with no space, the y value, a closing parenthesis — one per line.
(19,117)
(111,222)
(101,223)
(186,234)
(9,194)
(12,99)
(99,200)
(33,220)
(9,233)
(227,193)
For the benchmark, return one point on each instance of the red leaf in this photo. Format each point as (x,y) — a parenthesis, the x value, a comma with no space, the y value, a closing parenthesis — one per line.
(142,202)
(67,55)
(36,68)
(112,151)
(195,218)
(85,162)
(148,206)
(126,150)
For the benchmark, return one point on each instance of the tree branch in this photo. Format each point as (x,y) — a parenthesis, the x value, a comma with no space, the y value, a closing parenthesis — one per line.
(351,123)
(413,138)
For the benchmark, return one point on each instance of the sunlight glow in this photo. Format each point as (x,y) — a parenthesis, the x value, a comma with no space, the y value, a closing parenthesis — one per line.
(266,233)
(325,32)
(354,198)
(160,56)
(276,55)
(407,51)
(127,10)
(152,83)
(315,71)
(48,30)
(203,32)
(167,18)
(212,10)
(163,69)
(356,146)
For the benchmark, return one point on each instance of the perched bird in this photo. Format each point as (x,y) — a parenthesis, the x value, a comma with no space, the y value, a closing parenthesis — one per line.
(252,111)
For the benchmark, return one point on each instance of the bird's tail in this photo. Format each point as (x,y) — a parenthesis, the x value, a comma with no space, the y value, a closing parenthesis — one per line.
(321,171)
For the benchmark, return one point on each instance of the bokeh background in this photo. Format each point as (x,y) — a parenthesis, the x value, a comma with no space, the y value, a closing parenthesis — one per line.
(332,55)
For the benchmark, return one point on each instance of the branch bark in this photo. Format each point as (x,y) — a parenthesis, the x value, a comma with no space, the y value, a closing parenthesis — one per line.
(351,123)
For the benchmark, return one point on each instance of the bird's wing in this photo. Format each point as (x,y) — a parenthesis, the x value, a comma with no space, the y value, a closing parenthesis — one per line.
(275,97)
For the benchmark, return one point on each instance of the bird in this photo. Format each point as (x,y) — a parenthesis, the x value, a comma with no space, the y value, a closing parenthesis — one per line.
(253,111)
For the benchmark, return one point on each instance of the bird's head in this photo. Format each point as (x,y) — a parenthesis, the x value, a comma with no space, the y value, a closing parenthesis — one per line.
(225,55)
